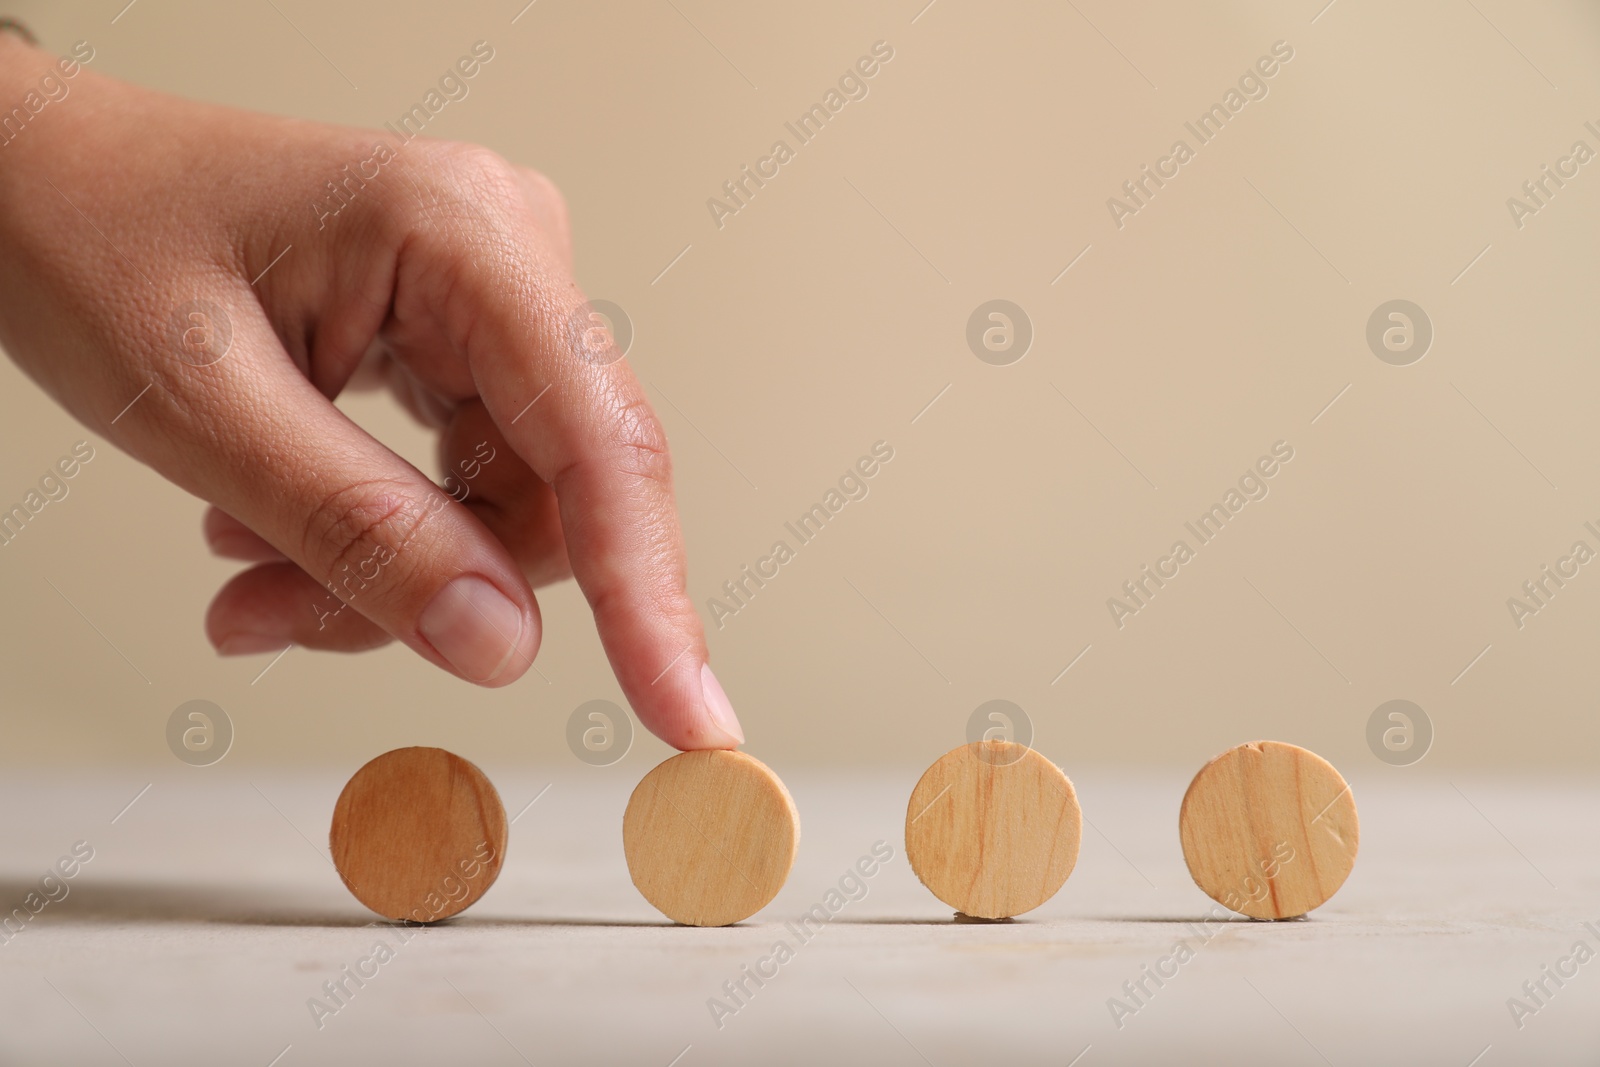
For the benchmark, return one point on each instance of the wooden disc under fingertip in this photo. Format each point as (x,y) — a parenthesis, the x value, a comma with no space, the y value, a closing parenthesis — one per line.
(418,834)
(1269,830)
(993,829)
(710,837)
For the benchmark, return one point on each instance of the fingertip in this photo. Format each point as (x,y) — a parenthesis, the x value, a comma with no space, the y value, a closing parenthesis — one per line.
(229,538)
(717,711)
(687,707)
(246,644)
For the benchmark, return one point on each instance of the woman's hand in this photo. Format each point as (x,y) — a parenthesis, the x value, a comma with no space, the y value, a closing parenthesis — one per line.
(196,284)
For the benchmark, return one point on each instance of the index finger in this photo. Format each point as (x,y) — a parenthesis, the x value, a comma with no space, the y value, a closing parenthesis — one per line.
(579,418)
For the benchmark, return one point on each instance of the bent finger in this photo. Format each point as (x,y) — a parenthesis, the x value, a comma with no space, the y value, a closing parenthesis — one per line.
(517,313)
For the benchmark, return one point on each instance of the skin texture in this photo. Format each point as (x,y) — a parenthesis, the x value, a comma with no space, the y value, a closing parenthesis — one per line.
(448,279)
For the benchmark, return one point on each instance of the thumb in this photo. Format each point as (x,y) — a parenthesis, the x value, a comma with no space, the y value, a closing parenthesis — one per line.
(252,435)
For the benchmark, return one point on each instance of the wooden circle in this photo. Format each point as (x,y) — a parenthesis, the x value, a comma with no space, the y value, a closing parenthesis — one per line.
(418,834)
(1269,830)
(710,837)
(993,829)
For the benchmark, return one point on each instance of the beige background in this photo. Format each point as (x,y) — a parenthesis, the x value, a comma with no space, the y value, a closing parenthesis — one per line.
(823,318)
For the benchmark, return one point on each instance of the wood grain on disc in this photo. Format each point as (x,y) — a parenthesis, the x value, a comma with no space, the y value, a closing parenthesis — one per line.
(1269,830)
(993,829)
(419,834)
(710,837)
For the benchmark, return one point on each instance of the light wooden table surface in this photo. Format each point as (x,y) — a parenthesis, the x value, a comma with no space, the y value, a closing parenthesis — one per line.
(210,916)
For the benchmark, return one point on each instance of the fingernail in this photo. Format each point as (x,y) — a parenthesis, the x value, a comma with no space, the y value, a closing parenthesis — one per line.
(249,644)
(474,626)
(718,707)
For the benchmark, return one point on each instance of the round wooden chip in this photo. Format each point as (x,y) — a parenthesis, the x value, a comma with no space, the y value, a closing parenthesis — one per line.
(418,834)
(710,837)
(1269,830)
(993,829)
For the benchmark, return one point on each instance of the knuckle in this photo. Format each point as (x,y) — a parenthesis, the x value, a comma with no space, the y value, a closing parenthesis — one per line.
(445,185)
(471,171)
(640,441)
(548,204)
(661,595)
(357,529)
(547,191)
